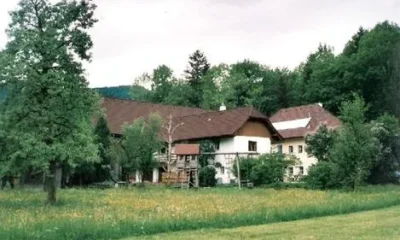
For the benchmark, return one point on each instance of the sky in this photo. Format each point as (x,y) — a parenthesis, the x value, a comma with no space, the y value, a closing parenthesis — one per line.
(135,36)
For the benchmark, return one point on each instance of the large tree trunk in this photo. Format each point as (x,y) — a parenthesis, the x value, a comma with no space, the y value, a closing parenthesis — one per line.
(51,185)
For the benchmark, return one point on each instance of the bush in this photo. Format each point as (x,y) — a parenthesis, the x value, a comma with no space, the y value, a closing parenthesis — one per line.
(323,175)
(246,166)
(207,177)
(266,169)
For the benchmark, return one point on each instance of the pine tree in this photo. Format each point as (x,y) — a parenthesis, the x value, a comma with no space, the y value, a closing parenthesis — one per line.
(198,68)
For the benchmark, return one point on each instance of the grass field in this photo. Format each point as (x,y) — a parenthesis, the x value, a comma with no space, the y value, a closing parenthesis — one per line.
(370,225)
(111,214)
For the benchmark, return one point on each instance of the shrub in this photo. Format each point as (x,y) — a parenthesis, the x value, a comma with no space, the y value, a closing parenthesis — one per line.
(207,176)
(323,175)
(266,169)
(246,166)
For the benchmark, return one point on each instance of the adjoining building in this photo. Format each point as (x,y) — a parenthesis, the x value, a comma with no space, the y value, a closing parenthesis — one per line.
(294,125)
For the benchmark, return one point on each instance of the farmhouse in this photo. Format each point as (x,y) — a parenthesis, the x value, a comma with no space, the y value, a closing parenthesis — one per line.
(294,125)
(242,130)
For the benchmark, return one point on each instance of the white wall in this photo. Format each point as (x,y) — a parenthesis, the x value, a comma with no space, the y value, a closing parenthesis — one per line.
(233,145)
(306,161)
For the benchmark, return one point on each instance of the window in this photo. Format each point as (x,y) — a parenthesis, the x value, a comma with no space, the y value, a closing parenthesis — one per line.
(216,144)
(301,170)
(222,170)
(252,146)
(300,150)
(280,150)
(290,171)
(290,149)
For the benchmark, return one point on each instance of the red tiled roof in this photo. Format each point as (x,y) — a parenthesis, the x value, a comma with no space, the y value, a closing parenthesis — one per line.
(119,112)
(187,149)
(319,116)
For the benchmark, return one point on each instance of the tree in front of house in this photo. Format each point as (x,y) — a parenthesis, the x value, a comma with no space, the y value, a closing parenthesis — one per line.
(141,141)
(48,108)
(319,144)
(265,169)
(355,148)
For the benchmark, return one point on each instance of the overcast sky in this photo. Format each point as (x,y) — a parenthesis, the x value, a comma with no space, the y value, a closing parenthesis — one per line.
(135,36)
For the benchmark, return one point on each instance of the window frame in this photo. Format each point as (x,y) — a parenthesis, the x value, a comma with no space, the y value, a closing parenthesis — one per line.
(291,149)
(300,149)
(252,146)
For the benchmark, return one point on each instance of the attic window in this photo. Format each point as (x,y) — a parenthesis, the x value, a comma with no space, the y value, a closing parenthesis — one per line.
(252,146)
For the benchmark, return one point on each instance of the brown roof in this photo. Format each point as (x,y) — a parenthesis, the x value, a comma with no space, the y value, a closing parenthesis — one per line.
(187,149)
(195,123)
(219,124)
(120,111)
(319,116)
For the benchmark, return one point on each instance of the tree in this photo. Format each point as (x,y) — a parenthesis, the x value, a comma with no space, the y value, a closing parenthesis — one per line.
(320,143)
(353,45)
(49,107)
(355,148)
(170,129)
(207,176)
(265,169)
(197,69)
(386,129)
(140,142)
(103,135)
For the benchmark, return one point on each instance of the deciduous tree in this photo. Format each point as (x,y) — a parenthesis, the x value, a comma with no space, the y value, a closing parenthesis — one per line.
(49,107)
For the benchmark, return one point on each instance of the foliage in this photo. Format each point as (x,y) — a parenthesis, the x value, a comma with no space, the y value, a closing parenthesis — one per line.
(207,176)
(124,92)
(49,107)
(354,149)
(265,169)
(140,142)
(206,146)
(88,173)
(323,175)
(386,129)
(246,166)
(198,67)
(94,214)
(319,144)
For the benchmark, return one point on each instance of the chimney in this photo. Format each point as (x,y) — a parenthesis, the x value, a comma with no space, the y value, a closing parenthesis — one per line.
(222,107)
(320,104)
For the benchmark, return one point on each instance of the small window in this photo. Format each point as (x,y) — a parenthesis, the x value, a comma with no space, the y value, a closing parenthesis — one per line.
(252,146)
(290,171)
(216,144)
(222,170)
(301,170)
(290,149)
(300,150)
(280,150)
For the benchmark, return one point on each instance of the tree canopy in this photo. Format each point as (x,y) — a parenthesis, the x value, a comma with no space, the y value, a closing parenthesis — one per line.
(48,108)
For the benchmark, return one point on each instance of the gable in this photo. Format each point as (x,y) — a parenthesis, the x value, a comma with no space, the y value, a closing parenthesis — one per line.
(254,129)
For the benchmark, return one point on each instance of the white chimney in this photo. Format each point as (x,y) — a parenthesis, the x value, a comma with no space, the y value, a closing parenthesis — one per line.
(320,104)
(222,107)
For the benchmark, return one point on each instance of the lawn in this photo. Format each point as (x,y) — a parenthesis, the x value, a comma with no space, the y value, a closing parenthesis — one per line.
(371,225)
(118,213)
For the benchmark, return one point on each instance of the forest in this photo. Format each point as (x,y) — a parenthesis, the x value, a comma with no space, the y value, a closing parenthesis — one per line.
(368,66)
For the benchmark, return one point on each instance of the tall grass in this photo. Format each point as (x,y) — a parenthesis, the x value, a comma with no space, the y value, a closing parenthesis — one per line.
(111,214)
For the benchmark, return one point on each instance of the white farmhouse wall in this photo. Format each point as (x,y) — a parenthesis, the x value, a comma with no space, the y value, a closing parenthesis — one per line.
(233,145)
